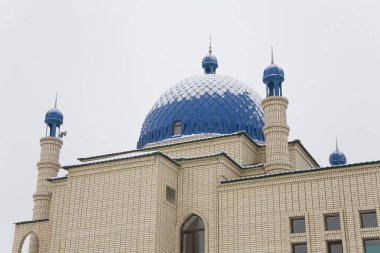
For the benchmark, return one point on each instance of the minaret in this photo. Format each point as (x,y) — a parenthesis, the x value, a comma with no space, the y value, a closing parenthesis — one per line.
(48,167)
(276,130)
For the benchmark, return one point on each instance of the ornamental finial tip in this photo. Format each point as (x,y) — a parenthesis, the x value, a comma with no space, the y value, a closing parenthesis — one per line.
(209,48)
(336,143)
(271,52)
(55,103)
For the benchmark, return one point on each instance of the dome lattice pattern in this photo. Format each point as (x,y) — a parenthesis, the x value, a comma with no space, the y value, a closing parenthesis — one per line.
(205,104)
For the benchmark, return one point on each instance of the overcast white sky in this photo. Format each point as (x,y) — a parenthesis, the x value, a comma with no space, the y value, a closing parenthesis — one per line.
(110,60)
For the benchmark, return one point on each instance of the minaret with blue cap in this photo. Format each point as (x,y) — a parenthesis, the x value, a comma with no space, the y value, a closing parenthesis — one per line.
(276,130)
(48,167)
(337,157)
(209,62)
(273,78)
(54,119)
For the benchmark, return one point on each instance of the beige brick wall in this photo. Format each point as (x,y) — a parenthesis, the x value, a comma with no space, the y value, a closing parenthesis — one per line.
(197,194)
(108,208)
(166,211)
(57,215)
(276,132)
(120,206)
(258,217)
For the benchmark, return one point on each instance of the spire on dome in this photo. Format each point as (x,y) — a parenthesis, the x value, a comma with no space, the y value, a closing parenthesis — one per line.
(271,51)
(209,48)
(209,62)
(55,103)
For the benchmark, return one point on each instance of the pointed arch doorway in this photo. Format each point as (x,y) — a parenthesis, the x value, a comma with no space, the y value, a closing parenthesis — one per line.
(193,235)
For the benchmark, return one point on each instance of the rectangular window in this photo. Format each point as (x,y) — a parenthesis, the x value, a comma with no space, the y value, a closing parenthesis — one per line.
(335,247)
(300,248)
(332,222)
(368,219)
(298,225)
(372,246)
(170,195)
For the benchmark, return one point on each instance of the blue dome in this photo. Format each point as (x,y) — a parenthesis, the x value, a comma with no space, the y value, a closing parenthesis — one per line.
(337,158)
(54,116)
(205,104)
(273,71)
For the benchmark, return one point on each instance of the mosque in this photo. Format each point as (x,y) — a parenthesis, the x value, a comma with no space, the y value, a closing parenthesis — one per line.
(213,171)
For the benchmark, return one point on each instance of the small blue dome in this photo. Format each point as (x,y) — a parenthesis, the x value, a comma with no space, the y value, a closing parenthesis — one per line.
(210,63)
(204,104)
(273,71)
(337,158)
(54,116)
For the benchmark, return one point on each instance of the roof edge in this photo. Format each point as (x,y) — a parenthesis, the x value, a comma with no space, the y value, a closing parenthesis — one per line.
(297,141)
(85,159)
(30,221)
(298,172)
(223,154)
(56,179)
(121,159)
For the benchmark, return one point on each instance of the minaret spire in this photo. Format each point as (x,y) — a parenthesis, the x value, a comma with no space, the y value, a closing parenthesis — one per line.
(336,143)
(271,51)
(209,48)
(55,103)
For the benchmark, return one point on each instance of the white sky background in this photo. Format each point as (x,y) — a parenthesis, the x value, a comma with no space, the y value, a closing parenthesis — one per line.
(109,61)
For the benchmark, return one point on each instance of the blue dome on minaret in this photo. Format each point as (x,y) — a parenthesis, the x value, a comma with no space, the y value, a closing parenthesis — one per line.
(207,103)
(337,157)
(54,119)
(273,77)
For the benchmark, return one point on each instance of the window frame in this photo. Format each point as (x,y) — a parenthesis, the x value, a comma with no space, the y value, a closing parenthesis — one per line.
(334,242)
(361,213)
(166,195)
(292,230)
(192,232)
(326,216)
(368,239)
(177,125)
(298,244)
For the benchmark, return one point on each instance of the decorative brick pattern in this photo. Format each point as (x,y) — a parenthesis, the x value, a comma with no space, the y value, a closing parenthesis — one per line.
(276,132)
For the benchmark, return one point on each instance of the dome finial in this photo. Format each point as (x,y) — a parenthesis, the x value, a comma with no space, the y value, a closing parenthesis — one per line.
(336,143)
(271,53)
(209,62)
(209,48)
(55,103)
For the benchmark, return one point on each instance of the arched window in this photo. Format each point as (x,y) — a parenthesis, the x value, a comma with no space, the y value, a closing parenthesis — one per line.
(193,235)
(30,243)
(177,128)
